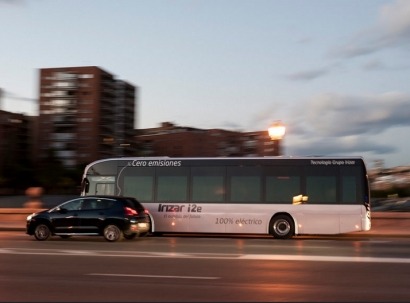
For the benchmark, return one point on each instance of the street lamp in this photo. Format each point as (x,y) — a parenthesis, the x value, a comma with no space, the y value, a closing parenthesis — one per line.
(276,133)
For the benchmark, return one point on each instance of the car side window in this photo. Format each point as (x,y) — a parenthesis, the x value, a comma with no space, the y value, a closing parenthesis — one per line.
(72,205)
(89,204)
(105,204)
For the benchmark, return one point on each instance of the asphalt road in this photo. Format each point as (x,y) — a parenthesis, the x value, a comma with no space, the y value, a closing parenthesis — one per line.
(205,269)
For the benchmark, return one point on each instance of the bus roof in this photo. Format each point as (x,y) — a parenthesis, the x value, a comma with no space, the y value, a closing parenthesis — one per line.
(246,159)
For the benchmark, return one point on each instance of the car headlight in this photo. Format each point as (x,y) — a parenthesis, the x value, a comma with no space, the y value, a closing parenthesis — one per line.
(29,217)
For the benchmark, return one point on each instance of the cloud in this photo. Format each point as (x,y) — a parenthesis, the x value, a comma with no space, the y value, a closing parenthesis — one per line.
(374,65)
(338,146)
(12,2)
(395,19)
(377,65)
(331,114)
(307,75)
(391,31)
(335,124)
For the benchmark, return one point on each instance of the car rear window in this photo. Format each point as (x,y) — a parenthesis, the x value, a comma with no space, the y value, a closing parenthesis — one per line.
(134,204)
(106,204)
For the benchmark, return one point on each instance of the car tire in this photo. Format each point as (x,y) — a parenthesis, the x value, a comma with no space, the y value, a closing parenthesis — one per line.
(112,233)
(282,227)
(42,232)
(65,236)
(130,236)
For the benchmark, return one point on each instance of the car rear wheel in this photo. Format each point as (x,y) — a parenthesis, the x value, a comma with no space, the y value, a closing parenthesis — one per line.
(130,236)
(113,233)
(42,232)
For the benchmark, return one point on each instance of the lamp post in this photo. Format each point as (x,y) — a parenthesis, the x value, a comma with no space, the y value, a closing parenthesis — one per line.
(276,133)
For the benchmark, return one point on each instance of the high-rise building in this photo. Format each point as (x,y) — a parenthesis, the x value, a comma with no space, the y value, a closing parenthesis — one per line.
(85,114)
(15,149)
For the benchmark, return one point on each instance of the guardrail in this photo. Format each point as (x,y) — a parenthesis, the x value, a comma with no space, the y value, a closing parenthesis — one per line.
(16,214)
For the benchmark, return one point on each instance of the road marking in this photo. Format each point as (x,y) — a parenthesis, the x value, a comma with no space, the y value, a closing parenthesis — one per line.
(219,256)
(325,258)
(154,276)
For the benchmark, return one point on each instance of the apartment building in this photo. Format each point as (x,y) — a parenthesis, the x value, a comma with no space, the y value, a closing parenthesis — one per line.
(16,133)
(85,114)
(176,141)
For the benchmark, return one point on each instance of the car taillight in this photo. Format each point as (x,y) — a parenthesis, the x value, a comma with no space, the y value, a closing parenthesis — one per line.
(146,211)
(130,211)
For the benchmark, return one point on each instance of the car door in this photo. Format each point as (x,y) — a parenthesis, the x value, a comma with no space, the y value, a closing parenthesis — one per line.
(64,218)
(92,215)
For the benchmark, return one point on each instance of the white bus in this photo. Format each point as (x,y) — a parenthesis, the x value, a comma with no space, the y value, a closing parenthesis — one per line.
(280,196)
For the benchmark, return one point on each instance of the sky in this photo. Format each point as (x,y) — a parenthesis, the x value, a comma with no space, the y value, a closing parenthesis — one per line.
(335,72)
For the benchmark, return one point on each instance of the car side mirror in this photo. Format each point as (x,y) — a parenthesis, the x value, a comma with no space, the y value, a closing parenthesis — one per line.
(62,210)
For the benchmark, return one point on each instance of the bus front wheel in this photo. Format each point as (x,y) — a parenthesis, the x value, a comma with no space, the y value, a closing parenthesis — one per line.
(282,227)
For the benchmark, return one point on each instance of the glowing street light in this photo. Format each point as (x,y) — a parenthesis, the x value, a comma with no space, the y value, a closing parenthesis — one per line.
(276,133)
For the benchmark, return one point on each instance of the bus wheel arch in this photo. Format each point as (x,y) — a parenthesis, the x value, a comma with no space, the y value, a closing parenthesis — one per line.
(282,226)
(152,225)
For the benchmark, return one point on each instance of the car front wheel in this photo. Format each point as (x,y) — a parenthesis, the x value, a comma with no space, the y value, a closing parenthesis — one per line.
(113,233)
(42,232)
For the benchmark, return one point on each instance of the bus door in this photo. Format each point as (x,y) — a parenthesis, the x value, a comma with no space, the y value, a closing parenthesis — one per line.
(99,185)
(320,210)
(104,189)
(352,198)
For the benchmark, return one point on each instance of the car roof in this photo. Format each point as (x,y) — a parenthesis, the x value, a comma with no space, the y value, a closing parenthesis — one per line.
(109,197)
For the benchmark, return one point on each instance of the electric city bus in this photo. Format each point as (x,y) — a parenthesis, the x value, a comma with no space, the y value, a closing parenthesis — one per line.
(280,196)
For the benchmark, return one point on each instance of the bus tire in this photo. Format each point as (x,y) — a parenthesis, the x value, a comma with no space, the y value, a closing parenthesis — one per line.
(113,233)
(282,227)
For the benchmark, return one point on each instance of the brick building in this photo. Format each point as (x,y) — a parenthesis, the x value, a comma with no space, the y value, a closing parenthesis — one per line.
(176,141)
(16,135)
(85,114)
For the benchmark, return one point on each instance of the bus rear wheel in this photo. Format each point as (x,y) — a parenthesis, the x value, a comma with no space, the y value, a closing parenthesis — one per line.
(282,227)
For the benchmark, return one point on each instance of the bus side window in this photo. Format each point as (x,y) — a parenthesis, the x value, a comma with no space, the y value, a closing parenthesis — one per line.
(283,184)
(172,184)
(321,185)
(245,184)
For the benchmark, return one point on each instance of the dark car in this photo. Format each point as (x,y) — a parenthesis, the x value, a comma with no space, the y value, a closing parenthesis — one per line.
(113,217)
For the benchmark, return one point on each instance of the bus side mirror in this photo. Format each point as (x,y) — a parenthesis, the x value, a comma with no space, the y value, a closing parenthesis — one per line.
(85,186)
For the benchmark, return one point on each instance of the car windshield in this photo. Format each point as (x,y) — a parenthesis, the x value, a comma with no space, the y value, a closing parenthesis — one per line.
(69,205)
